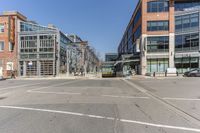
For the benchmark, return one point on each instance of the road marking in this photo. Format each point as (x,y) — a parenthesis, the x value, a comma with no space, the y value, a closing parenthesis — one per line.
(26,85)
(169,105)
(126,97)
(57,93)
(181,99)
(56,85)
(71,93)
(103,117)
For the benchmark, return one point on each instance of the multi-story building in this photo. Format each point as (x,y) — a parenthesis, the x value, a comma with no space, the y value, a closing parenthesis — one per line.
(30,49)
(111,57)
(9,42)
(162,34)
(83,57)
(42,50)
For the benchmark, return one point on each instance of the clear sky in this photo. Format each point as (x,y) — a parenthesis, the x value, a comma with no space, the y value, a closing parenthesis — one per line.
(101,22)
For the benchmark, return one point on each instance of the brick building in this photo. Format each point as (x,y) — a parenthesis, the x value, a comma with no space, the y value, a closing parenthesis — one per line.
(162,34)
(9,42)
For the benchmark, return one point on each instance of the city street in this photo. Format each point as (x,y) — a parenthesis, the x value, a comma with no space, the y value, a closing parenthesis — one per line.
(100,106)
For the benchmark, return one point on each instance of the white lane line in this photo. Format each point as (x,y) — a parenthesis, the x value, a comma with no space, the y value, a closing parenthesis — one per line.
(181,99)
(56,85)
(125,97)
(71,93)
(56,93)
(103,117)
(26,85)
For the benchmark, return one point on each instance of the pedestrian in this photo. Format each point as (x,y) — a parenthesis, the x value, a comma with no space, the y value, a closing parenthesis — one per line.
(12,74)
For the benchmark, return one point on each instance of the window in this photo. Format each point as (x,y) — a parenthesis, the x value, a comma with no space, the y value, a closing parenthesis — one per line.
(158,6)
(137,17)
(137,33)
(11,46)
(187,42)
(157,25)
(9,66)
(187,22)
(1,45)
(186,63)
(157,65)
(194,20)
(182,5)
(178,25)
(158,44)
(178,43)
(2,28)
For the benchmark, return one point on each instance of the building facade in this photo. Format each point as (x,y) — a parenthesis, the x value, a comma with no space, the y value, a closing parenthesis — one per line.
(111,57)
(163,34)
(9,42)
(29,49)
(42,50)
(83,57)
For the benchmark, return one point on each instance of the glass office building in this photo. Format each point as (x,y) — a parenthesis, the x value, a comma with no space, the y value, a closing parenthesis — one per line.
(187,33)
(164,34)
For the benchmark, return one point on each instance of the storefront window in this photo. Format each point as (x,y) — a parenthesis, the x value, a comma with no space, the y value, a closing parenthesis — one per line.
(157,65)
(186,63)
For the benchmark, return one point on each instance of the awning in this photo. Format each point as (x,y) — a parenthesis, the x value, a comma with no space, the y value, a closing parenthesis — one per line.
(126,61)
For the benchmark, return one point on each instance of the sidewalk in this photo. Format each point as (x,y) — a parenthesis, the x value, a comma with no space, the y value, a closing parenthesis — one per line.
(64,76)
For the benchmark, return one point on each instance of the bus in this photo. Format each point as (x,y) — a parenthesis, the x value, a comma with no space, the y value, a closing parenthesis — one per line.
(108,70)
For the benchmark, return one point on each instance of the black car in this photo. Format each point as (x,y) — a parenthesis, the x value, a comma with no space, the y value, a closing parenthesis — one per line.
(192,73)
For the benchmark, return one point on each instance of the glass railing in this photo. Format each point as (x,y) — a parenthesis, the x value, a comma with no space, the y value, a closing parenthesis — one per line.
(187,49)
(158,51)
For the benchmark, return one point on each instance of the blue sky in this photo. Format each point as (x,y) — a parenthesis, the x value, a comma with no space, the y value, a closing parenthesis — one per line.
(101,22)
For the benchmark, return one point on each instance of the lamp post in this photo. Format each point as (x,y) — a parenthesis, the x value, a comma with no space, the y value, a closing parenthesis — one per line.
(68,58)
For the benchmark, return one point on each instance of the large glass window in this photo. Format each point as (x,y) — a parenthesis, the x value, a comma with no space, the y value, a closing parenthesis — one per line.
(182,5)
(137,33)
(187,42)
(2,45)
(158,6)
(158,44)
(157,65)
(194,20)
(187,22)
(157,25)
(178,43)
(1,28)
(137,17)
(24,27)
(186,63)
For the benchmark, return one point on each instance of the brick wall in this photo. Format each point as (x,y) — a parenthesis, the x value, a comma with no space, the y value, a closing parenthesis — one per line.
(8,36)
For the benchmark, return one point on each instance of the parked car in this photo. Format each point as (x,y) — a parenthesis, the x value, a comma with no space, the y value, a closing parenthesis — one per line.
(192,73)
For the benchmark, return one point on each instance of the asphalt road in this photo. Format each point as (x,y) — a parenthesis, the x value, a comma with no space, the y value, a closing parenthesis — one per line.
(100,106)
